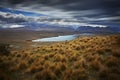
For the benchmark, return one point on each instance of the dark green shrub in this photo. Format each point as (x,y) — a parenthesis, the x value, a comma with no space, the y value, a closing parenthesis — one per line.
(4,49)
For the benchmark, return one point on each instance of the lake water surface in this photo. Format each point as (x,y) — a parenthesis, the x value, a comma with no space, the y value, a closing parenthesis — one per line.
(61,38)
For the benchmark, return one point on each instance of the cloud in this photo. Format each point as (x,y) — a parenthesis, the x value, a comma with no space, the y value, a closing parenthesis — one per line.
(94,13)
(102,18)
(11,26)
(9,15)
(71,9)
(60,18)
(12,18)
(75,24)
(107,6)
(16,26)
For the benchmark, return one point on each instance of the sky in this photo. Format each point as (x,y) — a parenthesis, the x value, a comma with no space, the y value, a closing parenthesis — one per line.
(94,13)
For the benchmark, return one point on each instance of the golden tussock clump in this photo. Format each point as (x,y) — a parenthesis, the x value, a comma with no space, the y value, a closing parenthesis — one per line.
(116,53)
(67,75)
(22,65)
(112,61)
(33,69)
(59,58)
(80,64)
(46,74)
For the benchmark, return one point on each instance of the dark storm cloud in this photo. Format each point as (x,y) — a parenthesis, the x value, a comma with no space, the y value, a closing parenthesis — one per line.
(83,10)
(16,1)
(80,4)
(112,4)
(71,5)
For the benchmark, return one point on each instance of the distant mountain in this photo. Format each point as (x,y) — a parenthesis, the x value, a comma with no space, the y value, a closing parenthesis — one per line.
(52,27)
(88,29)
(42,27)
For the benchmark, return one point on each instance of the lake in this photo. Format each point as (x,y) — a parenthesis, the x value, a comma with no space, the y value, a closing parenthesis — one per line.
(61,38)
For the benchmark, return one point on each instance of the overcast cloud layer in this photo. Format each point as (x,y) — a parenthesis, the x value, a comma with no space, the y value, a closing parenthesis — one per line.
(99,13)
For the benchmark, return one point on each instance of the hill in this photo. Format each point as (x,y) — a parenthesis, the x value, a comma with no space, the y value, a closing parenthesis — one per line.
(85,58)
(88,29)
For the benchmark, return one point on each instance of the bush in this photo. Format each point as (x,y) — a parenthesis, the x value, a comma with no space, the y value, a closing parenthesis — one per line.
(4,49)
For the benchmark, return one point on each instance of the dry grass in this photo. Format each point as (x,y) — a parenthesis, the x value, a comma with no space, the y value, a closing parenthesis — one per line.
(86,58)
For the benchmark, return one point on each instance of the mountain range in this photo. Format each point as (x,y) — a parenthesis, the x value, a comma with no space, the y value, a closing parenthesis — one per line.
(81,29)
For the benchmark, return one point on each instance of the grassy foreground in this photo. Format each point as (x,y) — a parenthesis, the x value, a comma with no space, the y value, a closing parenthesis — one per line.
(86,58)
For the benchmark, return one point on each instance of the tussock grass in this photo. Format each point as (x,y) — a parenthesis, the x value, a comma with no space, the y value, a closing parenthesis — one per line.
(86,58)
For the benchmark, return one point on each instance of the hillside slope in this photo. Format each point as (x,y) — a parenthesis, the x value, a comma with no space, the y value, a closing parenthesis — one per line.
(85,58)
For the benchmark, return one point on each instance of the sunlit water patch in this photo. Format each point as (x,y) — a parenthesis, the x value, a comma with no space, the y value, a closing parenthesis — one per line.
(61,38)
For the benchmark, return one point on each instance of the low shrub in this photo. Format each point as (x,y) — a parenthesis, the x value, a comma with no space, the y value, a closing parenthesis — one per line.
(4,49)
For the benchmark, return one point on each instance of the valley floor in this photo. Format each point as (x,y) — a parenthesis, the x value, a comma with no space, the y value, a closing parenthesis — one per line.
(19,39)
